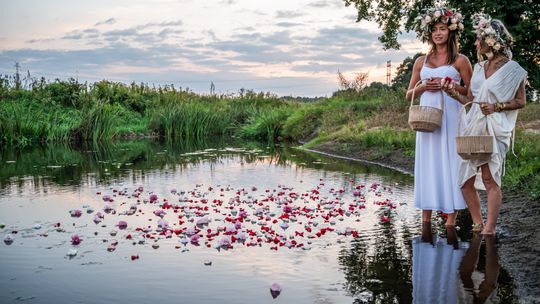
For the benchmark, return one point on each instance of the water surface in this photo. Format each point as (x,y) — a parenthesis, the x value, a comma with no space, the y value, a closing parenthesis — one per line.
(364,255)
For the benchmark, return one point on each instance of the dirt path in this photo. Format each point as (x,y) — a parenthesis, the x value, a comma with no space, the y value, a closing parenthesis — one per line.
(518,229)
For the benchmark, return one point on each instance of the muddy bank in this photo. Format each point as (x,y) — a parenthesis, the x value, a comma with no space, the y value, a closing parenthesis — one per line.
(518,228)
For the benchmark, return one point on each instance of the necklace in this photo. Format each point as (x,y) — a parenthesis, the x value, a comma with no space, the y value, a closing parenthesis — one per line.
(495,65)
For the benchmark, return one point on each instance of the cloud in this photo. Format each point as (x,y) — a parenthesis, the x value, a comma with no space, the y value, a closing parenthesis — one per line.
(325,3)
(73,36)
(106,22)
(167,50)
(160,24)
(288,24)
(288,14)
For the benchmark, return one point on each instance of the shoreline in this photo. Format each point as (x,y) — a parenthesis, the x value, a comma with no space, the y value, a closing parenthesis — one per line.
(518,224)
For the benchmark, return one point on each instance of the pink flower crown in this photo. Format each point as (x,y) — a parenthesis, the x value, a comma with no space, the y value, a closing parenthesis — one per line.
(485,31)
(432,15)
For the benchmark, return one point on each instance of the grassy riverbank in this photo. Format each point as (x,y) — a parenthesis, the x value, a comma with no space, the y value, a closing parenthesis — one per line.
(370,124)
(67,111)
(380,133)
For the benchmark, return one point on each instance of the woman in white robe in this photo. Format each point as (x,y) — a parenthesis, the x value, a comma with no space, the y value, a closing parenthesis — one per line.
(498,90)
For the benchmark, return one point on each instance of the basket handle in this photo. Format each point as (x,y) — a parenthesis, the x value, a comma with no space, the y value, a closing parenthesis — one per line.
(459,117)
(414,89)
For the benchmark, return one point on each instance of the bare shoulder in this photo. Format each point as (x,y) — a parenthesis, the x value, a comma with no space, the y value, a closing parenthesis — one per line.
(462,60)
(419,62)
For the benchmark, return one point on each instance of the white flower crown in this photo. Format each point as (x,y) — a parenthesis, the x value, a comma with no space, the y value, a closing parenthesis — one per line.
(485,31)
(432,15)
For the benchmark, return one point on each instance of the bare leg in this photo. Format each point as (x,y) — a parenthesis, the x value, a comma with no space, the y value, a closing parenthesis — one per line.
(469,262)
(427,234)
(473,203)
(451,236)
(426,216)
(492,269)
(451,219)
(494,198)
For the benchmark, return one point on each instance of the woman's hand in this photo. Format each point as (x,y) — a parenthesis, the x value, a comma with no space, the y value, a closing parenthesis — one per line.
(433,84)
(487,108)
(447,84)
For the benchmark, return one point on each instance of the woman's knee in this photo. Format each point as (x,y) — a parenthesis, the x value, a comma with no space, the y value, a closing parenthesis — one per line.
(468,186)
(489,182)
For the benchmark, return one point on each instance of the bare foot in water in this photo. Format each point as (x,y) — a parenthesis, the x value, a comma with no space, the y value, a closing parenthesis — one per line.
(427,234)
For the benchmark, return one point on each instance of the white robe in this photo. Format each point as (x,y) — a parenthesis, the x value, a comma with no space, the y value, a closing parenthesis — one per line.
(502,86)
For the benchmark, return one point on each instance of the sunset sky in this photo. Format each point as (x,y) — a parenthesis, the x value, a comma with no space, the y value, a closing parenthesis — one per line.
(282,46)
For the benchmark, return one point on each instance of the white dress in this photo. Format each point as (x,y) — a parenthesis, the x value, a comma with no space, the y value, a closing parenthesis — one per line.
(502,86)
(435,271)
(436,161)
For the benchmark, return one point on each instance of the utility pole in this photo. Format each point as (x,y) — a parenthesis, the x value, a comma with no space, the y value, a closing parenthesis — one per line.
(388,71)
(17,77)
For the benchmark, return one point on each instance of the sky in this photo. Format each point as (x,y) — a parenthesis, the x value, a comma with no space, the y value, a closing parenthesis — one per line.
(281,46)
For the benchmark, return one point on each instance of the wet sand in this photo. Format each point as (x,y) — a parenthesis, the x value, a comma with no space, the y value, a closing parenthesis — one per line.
(518,230)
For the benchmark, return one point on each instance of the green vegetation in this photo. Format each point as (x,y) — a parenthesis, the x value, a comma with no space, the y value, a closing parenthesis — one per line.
(67,111)
(522,18)
(368,122)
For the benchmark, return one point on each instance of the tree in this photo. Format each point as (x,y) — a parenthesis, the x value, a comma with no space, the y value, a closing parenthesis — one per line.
(357,84)
(520,16)
(404,72)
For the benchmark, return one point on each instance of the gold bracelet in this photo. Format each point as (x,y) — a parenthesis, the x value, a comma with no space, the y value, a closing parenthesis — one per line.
(456,95)
(500,106)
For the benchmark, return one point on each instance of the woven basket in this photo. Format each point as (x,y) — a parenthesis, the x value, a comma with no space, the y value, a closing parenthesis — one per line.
(424,118)
(475,147)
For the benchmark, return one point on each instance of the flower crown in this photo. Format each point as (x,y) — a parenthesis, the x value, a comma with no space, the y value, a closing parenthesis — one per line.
(432,15)
(485,31)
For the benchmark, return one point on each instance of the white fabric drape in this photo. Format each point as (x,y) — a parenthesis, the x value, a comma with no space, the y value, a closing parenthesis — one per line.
(502,86)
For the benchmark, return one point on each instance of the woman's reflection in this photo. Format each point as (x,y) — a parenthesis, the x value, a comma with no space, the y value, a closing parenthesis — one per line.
(479,287)
(436,262)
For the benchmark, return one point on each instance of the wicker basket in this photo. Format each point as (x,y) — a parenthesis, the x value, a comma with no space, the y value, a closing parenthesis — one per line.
(475,147)
(424,118)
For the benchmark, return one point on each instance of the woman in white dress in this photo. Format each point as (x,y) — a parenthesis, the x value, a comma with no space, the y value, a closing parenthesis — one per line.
(498,87)
(436,185)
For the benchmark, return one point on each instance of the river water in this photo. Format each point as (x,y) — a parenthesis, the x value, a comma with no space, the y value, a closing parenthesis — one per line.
(224,222)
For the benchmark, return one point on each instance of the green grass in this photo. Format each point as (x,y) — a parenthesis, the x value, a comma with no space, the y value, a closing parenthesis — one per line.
(265,125)
(374,119)
(523,171)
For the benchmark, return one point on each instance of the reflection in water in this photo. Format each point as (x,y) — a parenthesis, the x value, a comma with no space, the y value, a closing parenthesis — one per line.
(435,266)
(448,270)
(376,267)
(481,287)
(64,165)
